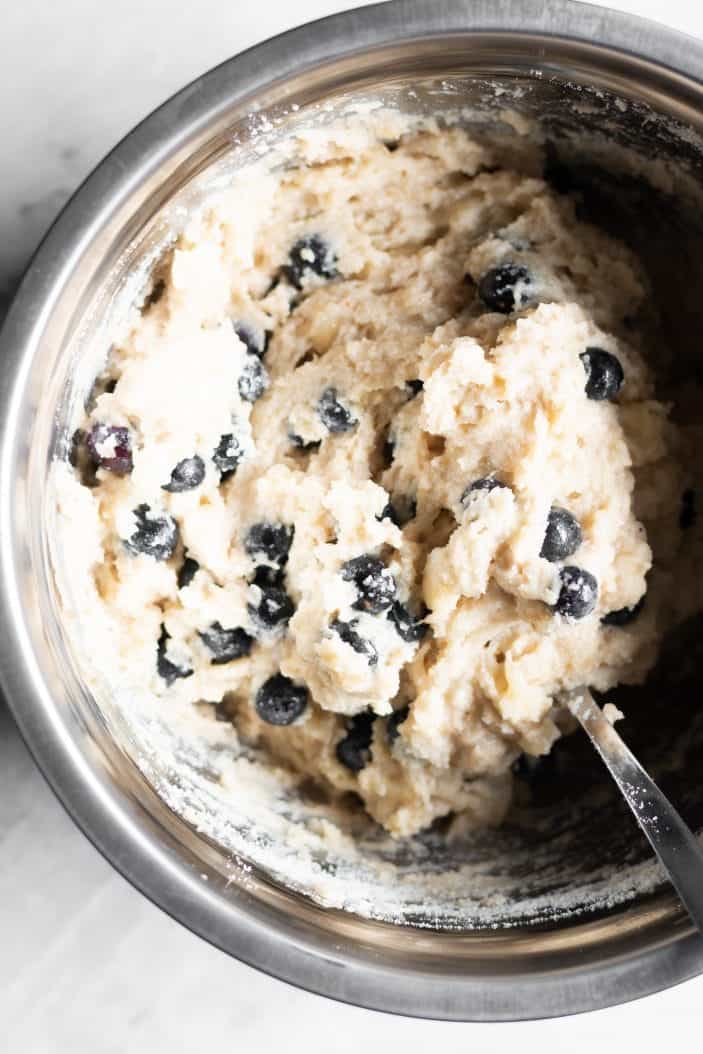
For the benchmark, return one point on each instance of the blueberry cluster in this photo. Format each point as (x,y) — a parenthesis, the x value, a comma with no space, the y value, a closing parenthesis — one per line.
(270,542)
(376,595)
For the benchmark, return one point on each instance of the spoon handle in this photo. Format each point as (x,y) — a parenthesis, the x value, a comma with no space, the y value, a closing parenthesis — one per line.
(672,840)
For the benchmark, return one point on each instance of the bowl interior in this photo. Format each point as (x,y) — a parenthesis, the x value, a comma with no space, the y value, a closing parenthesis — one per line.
(569,868)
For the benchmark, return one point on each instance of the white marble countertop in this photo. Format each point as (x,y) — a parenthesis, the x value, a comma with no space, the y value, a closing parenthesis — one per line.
(87,965)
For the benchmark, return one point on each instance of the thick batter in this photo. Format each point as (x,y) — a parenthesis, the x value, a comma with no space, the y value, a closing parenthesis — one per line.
(378,472)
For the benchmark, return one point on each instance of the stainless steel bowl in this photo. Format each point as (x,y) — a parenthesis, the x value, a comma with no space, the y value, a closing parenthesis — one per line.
(577,68)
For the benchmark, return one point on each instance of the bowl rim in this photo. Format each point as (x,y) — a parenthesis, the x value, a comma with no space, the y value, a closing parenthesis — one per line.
(342,973)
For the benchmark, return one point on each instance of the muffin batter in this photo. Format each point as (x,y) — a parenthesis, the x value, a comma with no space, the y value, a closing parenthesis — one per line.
(378,471)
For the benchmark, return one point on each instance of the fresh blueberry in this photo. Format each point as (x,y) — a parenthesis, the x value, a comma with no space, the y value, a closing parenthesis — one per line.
(310,255)
(410,628)
(623,616)
(347,632)
(399,512)
(280,701)
(394,721)
(227,455)
(254,341)
(271,540)
(505,288)
(374,583)
(253,380)
(562,537)
(335,416)
(414,387)
(354,750)
(578,594)
(110,447)
(687,516)
(187,572)
(487,483)
(604,374)
(226,645)
(169,670)
(156,534)
(275,608)
(187,475)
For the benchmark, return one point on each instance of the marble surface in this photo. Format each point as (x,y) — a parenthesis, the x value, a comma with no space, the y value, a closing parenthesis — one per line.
(87,965)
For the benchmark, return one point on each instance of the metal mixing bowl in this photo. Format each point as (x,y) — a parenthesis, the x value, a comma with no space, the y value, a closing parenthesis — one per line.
(569,68)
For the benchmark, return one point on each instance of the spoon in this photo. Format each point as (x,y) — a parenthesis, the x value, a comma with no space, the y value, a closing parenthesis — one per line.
(672,840)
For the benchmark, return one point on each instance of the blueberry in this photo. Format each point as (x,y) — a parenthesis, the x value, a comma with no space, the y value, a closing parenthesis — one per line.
(394,721)
(354,750)
(280,701)
(414,387)
(374,583)
(389,512)
(110,447)
(255,341)
(156,534)
(187,572)
(505,287)
(604,374)
(409,627)
(187,475)
(226,645)
(227,455)
(272,540)
(310,255)
(266,576)
(578,594)
(275,608)
(487,483)
(623,616)
(253,380)
(687,516)
(562,537)
(400,512)
(302,444)
(170,671)
(335,416)
(347,632)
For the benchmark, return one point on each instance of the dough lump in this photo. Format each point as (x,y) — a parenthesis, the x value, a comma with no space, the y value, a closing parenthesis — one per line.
(320,470)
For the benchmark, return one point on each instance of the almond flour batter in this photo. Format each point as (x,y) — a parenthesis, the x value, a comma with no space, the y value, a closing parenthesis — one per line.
(379,471)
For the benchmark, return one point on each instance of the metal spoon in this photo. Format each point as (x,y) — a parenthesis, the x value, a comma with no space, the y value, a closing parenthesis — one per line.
(672,840)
